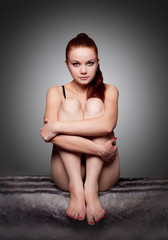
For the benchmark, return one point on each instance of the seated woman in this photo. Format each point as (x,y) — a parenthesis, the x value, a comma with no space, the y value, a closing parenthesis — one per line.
(79,120)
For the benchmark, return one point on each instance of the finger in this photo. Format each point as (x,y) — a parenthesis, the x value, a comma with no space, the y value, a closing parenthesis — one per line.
(115,148)
(45,120)
(112,140)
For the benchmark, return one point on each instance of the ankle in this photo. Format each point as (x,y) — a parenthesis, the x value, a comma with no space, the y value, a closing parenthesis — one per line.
(76,187)
(91,186)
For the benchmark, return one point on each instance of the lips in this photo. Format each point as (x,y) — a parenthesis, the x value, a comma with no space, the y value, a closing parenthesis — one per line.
(83,78)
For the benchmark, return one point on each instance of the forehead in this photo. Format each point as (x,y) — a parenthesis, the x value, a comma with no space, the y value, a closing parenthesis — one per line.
(82,53)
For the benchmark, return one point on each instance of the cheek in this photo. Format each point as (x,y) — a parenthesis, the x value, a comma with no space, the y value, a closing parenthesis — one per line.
(73,71)
(93,70)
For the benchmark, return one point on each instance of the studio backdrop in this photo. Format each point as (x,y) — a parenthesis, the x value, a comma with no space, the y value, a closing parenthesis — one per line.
(132,41)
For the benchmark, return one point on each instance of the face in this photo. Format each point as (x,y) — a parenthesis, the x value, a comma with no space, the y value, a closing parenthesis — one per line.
(82,64)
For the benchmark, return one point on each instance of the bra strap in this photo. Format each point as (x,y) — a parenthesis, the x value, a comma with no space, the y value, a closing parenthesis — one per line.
(63,89)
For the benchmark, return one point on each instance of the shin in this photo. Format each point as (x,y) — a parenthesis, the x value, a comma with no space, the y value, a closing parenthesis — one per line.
(71,110)
(94,165)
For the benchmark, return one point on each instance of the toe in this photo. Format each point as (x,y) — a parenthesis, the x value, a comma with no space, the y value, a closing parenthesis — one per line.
(96,217)
(101,214)
(81,216)
(90,220)
(70,213)
(67,212)
(75,215)
(91,223)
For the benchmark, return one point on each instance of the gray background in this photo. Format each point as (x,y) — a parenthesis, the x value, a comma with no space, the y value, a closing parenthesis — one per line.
(132,40)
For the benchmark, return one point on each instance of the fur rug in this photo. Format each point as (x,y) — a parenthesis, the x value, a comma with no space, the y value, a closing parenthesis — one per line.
(33,208)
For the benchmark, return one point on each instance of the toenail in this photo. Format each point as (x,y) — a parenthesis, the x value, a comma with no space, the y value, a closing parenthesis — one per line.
(91,222)
(80,217)
(75,217)
(97,220)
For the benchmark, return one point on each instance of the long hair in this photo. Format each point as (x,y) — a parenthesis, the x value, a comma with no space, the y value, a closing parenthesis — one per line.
(96,86)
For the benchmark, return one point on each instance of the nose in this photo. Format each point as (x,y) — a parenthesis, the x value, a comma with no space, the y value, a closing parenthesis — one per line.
(83,69)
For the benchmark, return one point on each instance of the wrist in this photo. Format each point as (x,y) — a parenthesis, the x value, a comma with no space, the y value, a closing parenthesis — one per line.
(57,127)
(99,149)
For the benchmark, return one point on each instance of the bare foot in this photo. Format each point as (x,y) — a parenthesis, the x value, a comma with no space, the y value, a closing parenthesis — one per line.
(94,208)
(77,208)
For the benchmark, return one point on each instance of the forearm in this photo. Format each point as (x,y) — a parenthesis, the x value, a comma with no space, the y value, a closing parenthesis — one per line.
(88,127)
(77,144)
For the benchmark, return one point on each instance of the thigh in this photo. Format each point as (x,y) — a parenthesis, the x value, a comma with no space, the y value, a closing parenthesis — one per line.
(58,170)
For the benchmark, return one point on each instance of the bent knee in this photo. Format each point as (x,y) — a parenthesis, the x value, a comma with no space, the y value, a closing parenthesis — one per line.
(70,110)
(71,105)
(94,108)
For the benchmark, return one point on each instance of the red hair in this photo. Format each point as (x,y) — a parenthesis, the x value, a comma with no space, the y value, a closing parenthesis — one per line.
(96,86)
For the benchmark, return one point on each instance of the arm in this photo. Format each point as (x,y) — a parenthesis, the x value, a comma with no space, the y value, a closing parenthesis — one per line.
(105,151)
(77,144)
(99,126)
(74,143)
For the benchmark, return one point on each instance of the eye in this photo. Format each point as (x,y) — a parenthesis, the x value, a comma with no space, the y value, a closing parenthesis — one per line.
(75,64)
(90,63)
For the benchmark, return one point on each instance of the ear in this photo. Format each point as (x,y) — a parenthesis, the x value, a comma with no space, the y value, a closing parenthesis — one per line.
(98,60)
(66,63)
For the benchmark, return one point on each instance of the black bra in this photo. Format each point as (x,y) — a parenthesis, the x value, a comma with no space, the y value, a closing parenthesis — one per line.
(63,89)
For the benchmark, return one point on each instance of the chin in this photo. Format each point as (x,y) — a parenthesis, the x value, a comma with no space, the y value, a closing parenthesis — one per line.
(84,82)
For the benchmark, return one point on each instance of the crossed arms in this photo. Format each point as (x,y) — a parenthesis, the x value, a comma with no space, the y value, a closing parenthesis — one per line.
(71,135)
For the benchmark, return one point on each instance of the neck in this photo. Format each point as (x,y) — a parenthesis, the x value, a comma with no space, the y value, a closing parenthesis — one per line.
(81,89)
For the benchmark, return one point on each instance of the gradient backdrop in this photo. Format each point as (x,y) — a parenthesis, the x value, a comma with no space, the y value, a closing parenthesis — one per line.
(132,40)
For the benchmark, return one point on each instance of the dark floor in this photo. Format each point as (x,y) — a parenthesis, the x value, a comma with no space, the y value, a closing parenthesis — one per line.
(32,207)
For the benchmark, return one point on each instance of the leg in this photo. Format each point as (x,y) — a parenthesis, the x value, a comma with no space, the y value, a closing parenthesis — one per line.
(98,177)
(71,165)
(59,172)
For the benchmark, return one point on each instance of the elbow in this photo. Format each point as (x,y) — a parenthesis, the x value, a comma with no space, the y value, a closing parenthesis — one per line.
(110,127)
(54,140)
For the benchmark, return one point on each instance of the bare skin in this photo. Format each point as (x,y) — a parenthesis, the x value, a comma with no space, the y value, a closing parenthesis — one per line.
(77,126)
(84,200)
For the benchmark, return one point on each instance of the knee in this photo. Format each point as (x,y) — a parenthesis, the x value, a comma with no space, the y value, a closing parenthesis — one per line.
(70,110)
(94,108)
(71,105)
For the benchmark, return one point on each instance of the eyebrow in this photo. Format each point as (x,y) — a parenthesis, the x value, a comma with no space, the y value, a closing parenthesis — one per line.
(87,61)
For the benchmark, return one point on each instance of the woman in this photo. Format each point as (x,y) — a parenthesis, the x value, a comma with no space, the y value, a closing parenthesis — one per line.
(79,121)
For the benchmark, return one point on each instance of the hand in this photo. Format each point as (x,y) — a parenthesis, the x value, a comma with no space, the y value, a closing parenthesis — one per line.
(48,130)
(109,151)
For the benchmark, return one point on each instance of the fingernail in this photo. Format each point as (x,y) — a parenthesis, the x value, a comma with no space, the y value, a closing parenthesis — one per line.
(115,138)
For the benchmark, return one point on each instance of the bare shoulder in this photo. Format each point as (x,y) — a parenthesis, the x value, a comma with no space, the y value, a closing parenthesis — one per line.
(54,93)
(111,90)
(53,103)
